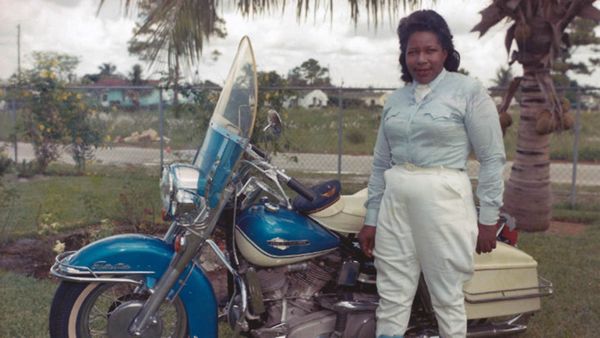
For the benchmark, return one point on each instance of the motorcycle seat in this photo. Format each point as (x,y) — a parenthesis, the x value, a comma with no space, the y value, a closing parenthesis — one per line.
(346,215)
(327,193)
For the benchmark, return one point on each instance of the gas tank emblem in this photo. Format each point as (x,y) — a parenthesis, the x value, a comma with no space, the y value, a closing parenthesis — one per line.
(284,244)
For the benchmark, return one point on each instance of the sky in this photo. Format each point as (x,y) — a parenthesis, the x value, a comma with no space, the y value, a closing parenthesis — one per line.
(357,56)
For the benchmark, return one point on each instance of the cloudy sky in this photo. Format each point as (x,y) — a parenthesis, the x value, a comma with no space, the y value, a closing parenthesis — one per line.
(358,55)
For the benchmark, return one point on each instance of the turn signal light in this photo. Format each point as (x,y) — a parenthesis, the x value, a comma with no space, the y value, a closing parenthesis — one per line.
(179,243)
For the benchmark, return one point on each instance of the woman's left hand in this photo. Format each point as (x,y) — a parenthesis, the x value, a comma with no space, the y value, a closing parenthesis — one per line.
(486,239)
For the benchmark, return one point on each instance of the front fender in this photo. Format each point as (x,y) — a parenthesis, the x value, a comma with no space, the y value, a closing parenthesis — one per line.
(135,252)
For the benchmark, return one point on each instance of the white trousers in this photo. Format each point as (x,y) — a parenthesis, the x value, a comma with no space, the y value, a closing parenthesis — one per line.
(427,223)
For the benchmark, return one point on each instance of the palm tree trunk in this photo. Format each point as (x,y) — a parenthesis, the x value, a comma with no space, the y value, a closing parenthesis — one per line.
(528,195)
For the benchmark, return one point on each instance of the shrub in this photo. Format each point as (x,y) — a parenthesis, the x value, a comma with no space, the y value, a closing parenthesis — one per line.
(355,136)
(5,162)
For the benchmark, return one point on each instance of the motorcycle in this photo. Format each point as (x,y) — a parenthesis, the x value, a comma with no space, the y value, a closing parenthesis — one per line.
(294,267)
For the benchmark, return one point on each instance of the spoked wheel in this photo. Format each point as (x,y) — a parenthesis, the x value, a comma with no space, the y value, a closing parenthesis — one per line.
(106,310)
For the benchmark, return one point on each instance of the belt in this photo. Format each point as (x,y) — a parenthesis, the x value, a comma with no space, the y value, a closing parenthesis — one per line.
(413,167)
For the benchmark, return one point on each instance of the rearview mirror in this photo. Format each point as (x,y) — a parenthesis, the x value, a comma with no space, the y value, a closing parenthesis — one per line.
(274,124)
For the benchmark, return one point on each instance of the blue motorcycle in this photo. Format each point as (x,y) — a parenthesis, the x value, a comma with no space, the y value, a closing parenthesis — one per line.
(294,266)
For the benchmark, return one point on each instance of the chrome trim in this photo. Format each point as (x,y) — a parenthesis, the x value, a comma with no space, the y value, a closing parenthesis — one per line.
(74,273)
(353,306)
(515,325)
(544,288)
(237,279)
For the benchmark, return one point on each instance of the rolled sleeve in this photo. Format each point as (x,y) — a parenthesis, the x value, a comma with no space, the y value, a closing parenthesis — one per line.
(483,128)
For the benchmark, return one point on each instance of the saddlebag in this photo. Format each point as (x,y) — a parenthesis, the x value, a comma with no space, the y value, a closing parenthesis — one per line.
(505,282)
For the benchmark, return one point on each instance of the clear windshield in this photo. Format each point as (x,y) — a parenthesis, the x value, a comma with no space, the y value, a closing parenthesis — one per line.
(236,107)
(230,126)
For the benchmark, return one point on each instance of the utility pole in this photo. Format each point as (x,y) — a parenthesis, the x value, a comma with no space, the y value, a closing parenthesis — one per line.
(19,53)
(15,139)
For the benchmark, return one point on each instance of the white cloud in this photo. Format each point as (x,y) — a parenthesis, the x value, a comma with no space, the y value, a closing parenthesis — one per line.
(357,55)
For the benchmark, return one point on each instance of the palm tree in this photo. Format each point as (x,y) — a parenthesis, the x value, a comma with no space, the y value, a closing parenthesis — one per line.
(538,29)
(135,76)
(107,69)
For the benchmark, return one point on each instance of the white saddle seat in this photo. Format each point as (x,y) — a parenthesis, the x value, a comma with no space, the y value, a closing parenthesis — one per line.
(346,215)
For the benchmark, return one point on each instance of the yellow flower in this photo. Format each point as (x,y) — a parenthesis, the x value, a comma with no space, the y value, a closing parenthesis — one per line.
(41,127)
(59,247)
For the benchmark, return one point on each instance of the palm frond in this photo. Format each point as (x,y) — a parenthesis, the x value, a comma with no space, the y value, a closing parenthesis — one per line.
(184,26)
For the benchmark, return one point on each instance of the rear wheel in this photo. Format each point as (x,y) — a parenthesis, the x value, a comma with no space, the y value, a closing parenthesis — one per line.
(106,310)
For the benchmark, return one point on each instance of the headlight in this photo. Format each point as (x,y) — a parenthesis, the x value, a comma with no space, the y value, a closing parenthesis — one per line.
(178,189)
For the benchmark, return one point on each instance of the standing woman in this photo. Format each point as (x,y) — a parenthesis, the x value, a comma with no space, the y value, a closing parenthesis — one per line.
(420,211)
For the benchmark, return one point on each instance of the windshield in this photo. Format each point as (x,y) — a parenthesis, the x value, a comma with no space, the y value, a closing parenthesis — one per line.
(236,107)
(230,127)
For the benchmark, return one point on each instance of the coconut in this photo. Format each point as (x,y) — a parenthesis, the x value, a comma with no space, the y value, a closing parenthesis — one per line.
(522,32)
(566,104)
(505,121)
(545,123)
(568,120)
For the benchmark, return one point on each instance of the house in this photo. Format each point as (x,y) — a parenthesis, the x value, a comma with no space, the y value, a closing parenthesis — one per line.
(361,98)
(314,98)
(114,90)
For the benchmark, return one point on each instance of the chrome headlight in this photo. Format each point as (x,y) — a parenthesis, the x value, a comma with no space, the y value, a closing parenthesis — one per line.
(178,190)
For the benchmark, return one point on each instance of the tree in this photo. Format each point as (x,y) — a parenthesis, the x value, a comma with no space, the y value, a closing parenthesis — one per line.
(61,67)
(107,69)
(503,77)
(580,34)
(135,76)
(169,31)
(309,73)
(54,115)
(539,29)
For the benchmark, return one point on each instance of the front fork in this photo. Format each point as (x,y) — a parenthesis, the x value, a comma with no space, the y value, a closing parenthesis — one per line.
(195,239)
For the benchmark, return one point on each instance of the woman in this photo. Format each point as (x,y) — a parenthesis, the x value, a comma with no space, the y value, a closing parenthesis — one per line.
(420,211)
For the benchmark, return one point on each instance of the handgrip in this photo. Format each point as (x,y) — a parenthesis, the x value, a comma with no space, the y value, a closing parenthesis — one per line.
(301,189)
(259,151)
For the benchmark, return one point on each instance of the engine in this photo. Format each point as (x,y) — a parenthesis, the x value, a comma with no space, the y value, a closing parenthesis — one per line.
(289,291)
(297,300)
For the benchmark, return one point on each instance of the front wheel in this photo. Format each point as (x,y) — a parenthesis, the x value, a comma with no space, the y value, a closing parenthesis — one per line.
(106,310)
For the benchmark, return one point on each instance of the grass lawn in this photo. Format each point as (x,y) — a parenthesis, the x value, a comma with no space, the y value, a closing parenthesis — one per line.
(66,202)
(25,305)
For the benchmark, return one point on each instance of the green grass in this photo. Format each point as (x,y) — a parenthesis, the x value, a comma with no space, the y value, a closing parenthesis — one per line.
(24,305)
(127,195)
(572,263)
(316,130)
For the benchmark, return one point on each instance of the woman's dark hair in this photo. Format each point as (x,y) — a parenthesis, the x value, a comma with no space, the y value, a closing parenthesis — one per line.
(426,21)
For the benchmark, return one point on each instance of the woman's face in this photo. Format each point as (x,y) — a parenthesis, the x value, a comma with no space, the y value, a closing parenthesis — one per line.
(425,56)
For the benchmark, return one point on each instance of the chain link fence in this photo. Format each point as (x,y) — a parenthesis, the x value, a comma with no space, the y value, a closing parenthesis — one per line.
(328,130)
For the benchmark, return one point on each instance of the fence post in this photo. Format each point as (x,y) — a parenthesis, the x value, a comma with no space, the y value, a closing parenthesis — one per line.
(573,196)
(161,130)
(14,126)
(340,128)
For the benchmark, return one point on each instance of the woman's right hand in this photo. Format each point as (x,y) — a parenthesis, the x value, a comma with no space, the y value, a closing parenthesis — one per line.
(366,239)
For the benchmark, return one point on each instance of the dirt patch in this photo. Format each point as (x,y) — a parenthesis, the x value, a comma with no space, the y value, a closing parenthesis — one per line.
(34,256)
(566,228)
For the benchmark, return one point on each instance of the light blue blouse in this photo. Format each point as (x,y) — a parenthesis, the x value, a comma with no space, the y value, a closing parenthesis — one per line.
(456,117)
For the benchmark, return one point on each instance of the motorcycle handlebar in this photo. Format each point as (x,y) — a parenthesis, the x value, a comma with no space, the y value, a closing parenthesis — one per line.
(301,189)
(259,151)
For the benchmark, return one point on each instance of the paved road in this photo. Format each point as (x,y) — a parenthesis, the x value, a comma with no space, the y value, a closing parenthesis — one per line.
(587,174)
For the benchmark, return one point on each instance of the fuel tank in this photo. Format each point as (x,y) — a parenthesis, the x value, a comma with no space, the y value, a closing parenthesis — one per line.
(269,235)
